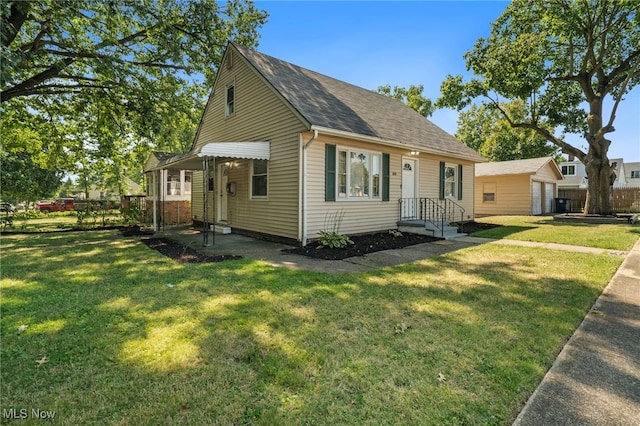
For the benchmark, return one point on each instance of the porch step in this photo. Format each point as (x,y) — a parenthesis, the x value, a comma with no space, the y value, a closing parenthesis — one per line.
(420,227)
(221,229)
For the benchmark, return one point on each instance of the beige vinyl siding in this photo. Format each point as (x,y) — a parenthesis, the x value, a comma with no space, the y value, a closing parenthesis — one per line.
(362,216)
(259,115)
(429,169)
(512,196)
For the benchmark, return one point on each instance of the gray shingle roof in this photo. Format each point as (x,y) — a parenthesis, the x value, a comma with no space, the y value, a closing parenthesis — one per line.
(326,102)
(513,167)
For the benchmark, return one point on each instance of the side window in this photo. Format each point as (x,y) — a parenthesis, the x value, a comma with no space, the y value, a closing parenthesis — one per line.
(173,182)
(259,178)
(450,180)
(230,107)
(488,192)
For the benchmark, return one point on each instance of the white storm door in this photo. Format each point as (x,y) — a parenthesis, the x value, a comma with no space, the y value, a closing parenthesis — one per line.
(222,192)
(409,189)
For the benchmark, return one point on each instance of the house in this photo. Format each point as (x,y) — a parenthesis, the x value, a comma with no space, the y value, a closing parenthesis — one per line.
(105,194)
(632,174)
(285,152)
(168,192)
(575,174)
(518,187)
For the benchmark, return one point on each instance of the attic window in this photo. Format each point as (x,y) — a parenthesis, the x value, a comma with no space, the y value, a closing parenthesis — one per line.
(230,100)
(569,170)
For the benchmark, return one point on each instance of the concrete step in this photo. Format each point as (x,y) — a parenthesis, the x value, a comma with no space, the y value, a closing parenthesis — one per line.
(430,229)
(220,229)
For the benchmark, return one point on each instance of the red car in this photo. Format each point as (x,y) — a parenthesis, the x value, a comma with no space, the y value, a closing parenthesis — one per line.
(59,205)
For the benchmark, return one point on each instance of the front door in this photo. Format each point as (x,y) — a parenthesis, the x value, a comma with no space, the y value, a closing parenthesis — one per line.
(222,192)
(409,189)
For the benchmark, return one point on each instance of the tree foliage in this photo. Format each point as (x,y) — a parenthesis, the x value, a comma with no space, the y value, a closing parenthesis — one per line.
(484,129)
(563,58)
(115,79)
(412,97)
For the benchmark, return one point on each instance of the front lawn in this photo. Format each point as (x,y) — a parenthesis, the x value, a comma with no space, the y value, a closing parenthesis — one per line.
(544,229)
(103,330)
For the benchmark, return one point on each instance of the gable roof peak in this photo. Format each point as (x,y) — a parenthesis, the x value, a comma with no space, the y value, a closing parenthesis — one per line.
(326,102)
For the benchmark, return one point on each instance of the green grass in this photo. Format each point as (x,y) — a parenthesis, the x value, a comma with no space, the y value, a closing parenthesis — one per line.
(33,221)
(130,337)
(545,229)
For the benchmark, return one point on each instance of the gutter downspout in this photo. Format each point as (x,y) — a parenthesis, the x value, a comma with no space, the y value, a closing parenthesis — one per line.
(304,186)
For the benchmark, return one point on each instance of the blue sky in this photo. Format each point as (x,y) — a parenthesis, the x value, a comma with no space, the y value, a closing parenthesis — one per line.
(373,43)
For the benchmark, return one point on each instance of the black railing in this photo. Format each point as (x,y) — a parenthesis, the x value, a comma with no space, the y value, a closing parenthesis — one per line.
(438,212)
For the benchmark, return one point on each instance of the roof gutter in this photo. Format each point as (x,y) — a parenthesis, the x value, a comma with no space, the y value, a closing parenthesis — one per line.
(380,141)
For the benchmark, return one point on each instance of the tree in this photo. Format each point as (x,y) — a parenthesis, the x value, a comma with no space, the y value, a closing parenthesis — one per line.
(124,77)
(564,59)
(412,97)
(24,179)
(485,130)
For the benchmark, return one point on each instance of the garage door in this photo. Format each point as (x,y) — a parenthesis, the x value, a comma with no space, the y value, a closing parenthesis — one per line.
(536,198)
(549,191)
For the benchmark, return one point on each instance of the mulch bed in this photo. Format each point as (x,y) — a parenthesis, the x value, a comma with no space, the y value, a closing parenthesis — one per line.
(183,254)
(362,244)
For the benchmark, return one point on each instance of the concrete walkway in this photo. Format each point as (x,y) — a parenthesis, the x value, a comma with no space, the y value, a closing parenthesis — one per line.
(596,378)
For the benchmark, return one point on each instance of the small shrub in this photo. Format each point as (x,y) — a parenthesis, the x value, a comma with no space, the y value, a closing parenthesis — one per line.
(333,240)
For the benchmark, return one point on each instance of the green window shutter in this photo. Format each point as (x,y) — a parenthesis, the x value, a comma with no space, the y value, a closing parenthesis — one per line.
(385,177)
(459,181)
(329,172)
(442,180)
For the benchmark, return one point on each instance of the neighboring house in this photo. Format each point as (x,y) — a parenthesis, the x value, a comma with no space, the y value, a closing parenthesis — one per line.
(632,174)
(286,152)
(518,187)
(575,174)
(105,194)
(168,192)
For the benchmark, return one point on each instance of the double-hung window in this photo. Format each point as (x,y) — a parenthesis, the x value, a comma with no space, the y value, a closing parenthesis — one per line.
(569,170)
(259,178)
(451,180)
(230,106)
(358,174)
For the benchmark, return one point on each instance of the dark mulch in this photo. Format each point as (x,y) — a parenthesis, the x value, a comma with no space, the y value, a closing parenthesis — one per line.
(183,254)
(362,244)
(371,243)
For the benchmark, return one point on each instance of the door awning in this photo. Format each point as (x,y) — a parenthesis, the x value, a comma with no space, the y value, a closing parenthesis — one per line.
(192,160)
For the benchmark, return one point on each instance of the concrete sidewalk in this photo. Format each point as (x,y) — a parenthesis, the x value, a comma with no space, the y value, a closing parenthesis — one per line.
(596,378)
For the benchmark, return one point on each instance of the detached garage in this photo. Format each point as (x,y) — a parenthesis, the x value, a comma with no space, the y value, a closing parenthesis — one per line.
(518,187)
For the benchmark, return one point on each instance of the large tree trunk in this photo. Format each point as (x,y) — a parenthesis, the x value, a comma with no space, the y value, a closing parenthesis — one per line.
(596,161)
(598,171)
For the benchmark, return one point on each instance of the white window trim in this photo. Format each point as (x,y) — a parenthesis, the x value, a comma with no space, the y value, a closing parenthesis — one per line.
(226,100)
(258,197)
(347,197)
(567,166)
(454,166)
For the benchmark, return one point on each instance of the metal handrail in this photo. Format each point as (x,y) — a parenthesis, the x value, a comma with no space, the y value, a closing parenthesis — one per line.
(439,212)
